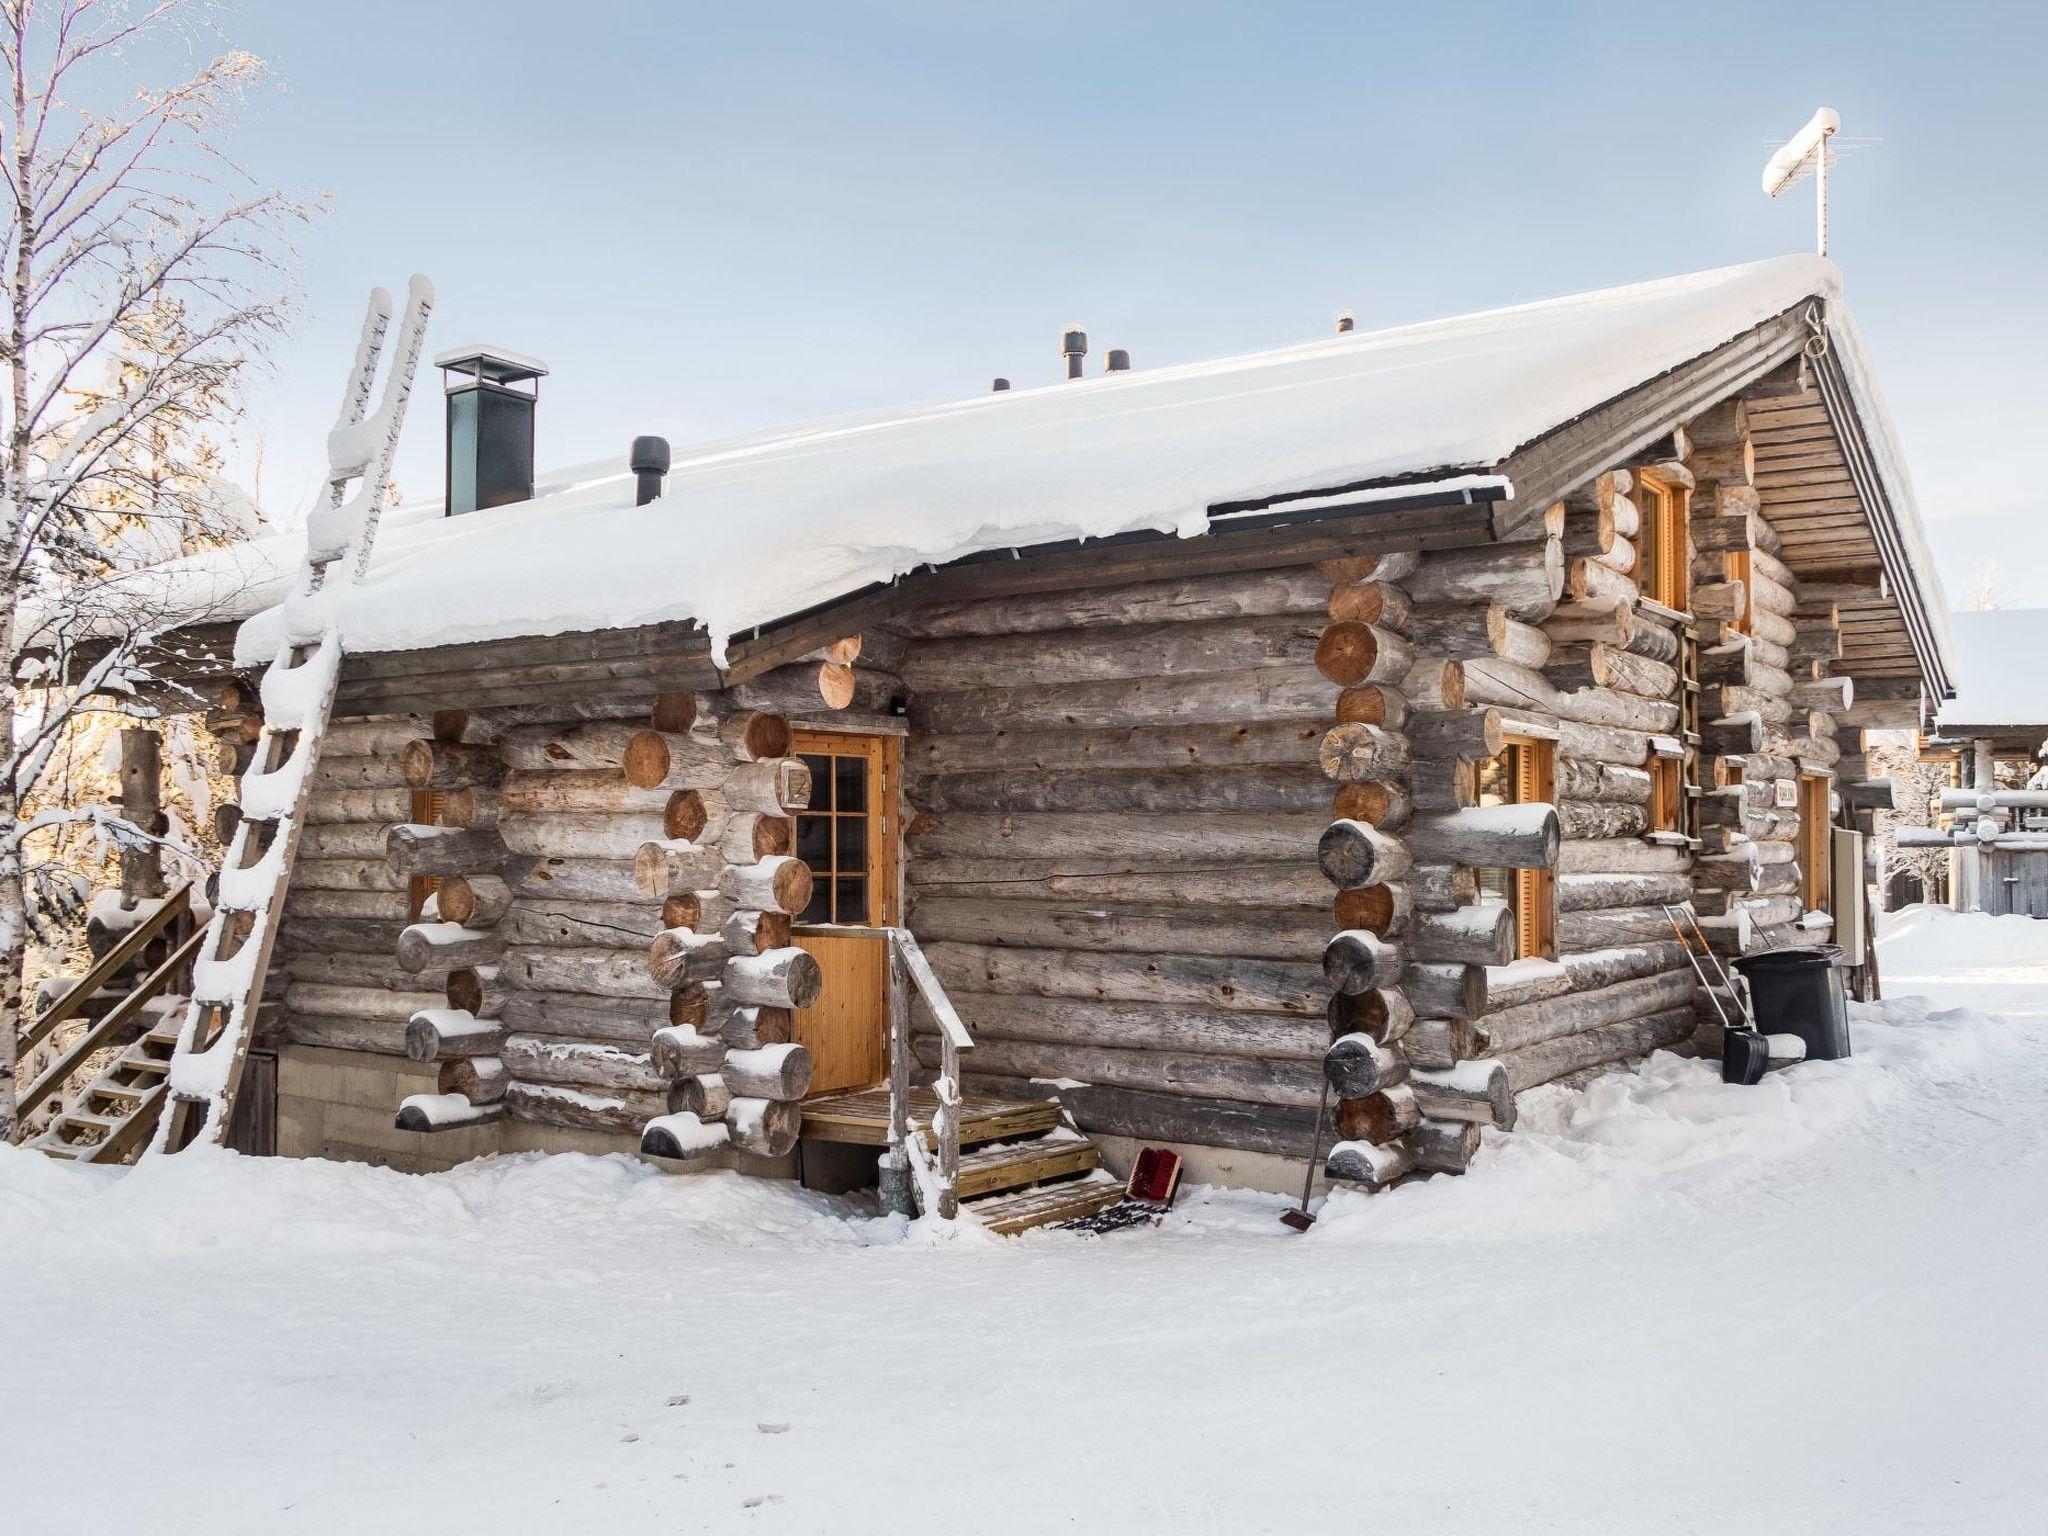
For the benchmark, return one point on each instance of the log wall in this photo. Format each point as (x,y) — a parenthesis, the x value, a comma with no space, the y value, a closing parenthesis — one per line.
(1113,803)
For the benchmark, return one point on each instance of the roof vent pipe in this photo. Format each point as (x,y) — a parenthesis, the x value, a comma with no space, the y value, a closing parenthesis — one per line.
(649,461)
(1346,321)
(999,386)
(1119,360)
(1074,344)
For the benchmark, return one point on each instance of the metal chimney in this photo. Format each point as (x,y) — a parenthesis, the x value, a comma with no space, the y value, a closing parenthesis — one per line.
(1074,344)
(1119,360)
(649,462)
(490,426)
(1346,321)
(999,386)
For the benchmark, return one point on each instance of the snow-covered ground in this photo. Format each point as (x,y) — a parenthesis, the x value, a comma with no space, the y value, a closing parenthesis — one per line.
(1664,1305)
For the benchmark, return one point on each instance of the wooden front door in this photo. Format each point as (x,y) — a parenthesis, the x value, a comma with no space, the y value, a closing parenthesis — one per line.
(849,836)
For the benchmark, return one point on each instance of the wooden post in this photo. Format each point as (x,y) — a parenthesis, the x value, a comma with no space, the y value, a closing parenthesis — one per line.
(896,1193)
(142,864)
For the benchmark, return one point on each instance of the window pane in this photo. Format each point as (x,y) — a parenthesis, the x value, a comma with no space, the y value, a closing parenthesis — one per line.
(849,784)
(852,840)
(821,780)
(819,908)
(814,842)
(852,900)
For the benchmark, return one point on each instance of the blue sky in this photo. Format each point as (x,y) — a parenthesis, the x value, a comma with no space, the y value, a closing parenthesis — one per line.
(711,219)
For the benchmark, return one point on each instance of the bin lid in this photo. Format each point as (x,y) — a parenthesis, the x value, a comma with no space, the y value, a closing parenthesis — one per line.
(1793,957)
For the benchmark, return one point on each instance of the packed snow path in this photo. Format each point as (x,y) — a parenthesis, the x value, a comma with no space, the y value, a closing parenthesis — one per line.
(1665,1306)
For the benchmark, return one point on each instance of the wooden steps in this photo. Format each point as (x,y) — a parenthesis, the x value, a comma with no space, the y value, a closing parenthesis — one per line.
(1024,1209)
(1021,1165)
(114,1113)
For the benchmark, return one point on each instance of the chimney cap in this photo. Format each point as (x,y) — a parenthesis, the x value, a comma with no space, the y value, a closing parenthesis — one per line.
(1073,341)
(1119,360)
(999,386)
(1346,321)
(496,365)
(650,455)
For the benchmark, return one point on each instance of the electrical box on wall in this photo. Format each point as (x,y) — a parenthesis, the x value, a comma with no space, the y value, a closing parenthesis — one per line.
(1786,794)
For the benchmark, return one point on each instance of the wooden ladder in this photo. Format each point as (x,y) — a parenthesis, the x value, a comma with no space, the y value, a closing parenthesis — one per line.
(205,1065)
(112,1115)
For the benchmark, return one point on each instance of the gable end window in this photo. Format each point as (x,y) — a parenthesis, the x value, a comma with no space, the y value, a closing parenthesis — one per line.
(1661,543)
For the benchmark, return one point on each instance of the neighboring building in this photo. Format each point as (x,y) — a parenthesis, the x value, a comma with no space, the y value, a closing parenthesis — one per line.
(1987,819)
(1569,611)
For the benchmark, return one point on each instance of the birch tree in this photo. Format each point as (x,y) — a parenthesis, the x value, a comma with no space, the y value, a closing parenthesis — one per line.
(143,270)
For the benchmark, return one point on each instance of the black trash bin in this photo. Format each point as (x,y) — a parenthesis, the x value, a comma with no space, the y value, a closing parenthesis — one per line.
(1801,991)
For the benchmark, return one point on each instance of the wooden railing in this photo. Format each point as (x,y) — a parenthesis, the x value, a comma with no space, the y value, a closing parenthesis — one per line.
(175,909)
(911,1177)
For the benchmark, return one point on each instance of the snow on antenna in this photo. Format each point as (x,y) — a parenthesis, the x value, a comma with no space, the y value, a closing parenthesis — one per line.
(1806,149)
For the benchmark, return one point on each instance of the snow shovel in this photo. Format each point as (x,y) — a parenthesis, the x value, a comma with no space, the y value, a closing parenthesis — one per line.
(1304,1218)
(1745,1053)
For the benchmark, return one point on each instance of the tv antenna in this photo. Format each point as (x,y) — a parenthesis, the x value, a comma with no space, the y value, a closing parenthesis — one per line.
(1806,150)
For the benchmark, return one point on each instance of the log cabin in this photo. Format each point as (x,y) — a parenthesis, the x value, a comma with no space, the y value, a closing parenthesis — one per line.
(1282,758)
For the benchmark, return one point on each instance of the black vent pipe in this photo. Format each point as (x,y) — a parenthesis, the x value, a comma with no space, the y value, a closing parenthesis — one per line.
(649,461)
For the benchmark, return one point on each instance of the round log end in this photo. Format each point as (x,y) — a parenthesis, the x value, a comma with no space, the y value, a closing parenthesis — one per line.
(1374,908)
(792,887)
(1346,652)
(765,736)
(464,989)
(455,899)
(1355,1065)
(650,870)
(1354,752)
(645,761)
(835,684)
(1371,801)
(1348,853)
(1454,674)
(422,1040)
(673,713)
(806,980)
(1368,704)
(685,909)
(1353,963)
(690,1006)
(416,763)
(684,815)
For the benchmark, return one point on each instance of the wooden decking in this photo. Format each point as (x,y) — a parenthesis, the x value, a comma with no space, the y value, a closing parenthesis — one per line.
(860,1116)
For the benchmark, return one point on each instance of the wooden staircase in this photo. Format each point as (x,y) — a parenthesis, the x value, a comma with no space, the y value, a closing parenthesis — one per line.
(1021,1164)
(112,1116)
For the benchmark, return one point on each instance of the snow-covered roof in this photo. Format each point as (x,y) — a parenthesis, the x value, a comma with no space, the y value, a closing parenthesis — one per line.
(752,530)
(2000,678)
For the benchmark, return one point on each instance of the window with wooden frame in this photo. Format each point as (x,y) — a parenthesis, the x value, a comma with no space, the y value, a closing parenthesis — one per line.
(1816,836)
(1524,773)
(426,812)
(1667,794)
(1661,560)
(844,834)
(1735,567)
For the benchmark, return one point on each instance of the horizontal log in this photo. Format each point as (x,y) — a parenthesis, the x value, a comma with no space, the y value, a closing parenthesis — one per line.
(429,764)
(1443,1146)
(474,901)
(1538,1064)
(1111,653)
(325,807)
(1289,692)
(1578,779)
(605,972)
(764,1127)
(1515,1029)
(357,1001)
(1351,652)
(679,956)
(604,1068)
(1525,579)
(1487,837)
(1372,1167)
(1446,991)
(1475,1091)
(479,1079)
(1205,841)
(1234,1078)
(381,1037)
(780,884)
(1168,927)
(682,1137)
(1290,883)
(1143,1026)
(782,978)
(1224,744)
(1591,892)
(445,946)
(1474,935)
(1186,981)
(1612,926)
(1580,820)
(579,1109)
(1142,1114)
(413,850)
(678,1052)
(1261,787)
(1475,734)
(669,866)
(582,836)
(1228,595)
(705,1096)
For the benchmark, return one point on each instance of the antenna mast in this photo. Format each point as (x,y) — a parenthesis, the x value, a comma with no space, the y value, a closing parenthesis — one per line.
(1806,148)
